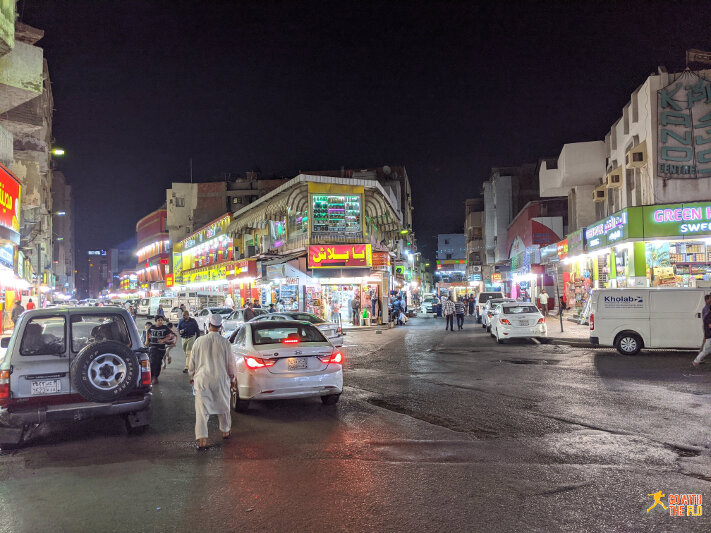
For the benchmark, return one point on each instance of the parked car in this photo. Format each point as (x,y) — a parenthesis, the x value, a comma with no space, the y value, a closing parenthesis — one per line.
(72,364)
(332,331)
(518,320)
(236,319)
(428,305)
(203,316)
(285,359)
(488,311)
(175,315)
(632,319)
(481,300)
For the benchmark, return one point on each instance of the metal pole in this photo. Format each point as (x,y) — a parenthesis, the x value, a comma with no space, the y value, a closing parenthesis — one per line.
(560,303)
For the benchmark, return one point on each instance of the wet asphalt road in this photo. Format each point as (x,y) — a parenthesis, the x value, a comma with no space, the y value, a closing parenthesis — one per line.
(436,431)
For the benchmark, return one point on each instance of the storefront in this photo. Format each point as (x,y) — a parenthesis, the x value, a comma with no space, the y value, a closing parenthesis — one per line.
(341,274)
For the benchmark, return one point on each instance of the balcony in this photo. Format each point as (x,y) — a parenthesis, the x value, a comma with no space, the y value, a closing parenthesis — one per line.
(20,76)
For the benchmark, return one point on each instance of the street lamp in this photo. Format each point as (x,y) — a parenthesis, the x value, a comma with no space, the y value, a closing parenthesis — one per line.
(60,213)
(58,151)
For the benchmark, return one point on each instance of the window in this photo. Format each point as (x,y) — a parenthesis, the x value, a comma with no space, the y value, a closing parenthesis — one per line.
(298,224)
(97,328)
(520,309)
(446,241)
(266,333)
(241,337)
(44,336)
(180,201)
(449,256)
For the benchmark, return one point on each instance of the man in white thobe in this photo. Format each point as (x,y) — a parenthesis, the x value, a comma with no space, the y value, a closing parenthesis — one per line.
(212,370)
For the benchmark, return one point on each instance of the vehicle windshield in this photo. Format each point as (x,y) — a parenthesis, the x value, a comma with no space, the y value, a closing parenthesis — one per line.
(270,333)
(306,317)
(221,310)
(486,296)
(520,309)
(144,301)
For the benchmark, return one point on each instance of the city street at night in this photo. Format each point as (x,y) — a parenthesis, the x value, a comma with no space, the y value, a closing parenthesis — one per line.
(435,431)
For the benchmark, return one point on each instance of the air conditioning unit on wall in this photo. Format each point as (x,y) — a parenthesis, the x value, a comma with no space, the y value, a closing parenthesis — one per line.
(614,178)
(600,194)
(637,156)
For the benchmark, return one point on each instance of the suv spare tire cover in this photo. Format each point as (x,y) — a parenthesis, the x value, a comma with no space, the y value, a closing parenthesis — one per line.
(105,371)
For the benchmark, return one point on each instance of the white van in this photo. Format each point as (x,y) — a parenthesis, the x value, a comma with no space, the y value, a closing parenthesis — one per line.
(632,319)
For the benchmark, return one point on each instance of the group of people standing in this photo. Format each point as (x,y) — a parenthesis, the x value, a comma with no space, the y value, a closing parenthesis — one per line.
(450,309)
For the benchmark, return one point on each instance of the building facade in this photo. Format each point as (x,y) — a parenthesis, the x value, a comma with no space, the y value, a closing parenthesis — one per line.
(315,244)
(153,251)
(63,235)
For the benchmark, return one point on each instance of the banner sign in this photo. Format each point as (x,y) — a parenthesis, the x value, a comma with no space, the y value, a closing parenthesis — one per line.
(10,202)
(340,256)
(677,220)
(684,122)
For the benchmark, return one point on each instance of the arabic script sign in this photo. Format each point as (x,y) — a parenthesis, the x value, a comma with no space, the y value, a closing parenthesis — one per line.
(684,130)
(340,256)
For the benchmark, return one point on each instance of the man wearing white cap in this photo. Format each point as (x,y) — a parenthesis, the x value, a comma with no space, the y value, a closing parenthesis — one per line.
(212,370)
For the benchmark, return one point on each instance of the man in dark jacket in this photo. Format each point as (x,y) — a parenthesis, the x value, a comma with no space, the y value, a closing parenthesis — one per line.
(249,313)
(355,307)
(189,331)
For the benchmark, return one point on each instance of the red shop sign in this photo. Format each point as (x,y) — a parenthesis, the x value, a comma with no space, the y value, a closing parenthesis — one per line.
(341,256)
(9,200)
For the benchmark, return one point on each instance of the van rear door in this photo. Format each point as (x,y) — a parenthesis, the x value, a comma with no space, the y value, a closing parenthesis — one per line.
(674,320)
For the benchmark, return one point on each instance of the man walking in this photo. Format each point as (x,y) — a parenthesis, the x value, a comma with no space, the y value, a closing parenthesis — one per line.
(17,311)
(543,299)
(355,307)
(448,312)
(459,310)
(157,339)
(706,348)
(189,331)
(212,370)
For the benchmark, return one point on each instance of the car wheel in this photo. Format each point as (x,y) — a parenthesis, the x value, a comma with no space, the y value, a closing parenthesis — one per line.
(239,405)
(331,399)
(628,343)
(488,328)
(498,340)
(105,371)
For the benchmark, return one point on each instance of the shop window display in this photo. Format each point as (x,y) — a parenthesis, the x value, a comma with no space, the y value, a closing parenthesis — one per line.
(337,300)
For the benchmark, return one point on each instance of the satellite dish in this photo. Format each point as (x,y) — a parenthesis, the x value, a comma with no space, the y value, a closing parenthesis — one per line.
(387,170)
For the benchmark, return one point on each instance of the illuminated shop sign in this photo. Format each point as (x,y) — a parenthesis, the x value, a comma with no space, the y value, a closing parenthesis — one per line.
(562,249)
(684,130)
(210,231)
(96,252)
(677,220)
(335,213)
(340,256)
(9,205)
(614,229)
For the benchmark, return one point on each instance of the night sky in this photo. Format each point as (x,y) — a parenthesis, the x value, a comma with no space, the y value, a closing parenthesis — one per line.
(447,89)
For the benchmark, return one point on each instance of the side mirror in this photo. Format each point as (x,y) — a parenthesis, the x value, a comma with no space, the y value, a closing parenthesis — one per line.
(4,342)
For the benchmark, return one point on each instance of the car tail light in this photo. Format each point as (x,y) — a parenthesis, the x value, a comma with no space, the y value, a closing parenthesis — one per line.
(541,320)
(505,321)
(4,384)
(258,362)
(145,372)
(290,341)
(592,321)
(335,357)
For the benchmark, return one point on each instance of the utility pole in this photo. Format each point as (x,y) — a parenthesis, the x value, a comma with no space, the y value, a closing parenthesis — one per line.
(191,170)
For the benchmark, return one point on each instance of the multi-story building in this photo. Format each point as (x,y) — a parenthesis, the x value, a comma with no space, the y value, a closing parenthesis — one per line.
(451,264)
(25,76)
(25,130)
(474,222)
(192,205)
(315,243)
(650,217)
(63,235)
(119,260)
(153,251)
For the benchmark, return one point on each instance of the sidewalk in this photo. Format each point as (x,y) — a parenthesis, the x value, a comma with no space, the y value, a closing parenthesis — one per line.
(573,333)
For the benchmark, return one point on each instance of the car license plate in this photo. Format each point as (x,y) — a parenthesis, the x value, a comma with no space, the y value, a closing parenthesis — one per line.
(297,363)
(46,387)
(523,323)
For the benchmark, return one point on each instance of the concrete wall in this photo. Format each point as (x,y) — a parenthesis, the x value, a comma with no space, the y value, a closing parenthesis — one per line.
(20,75)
